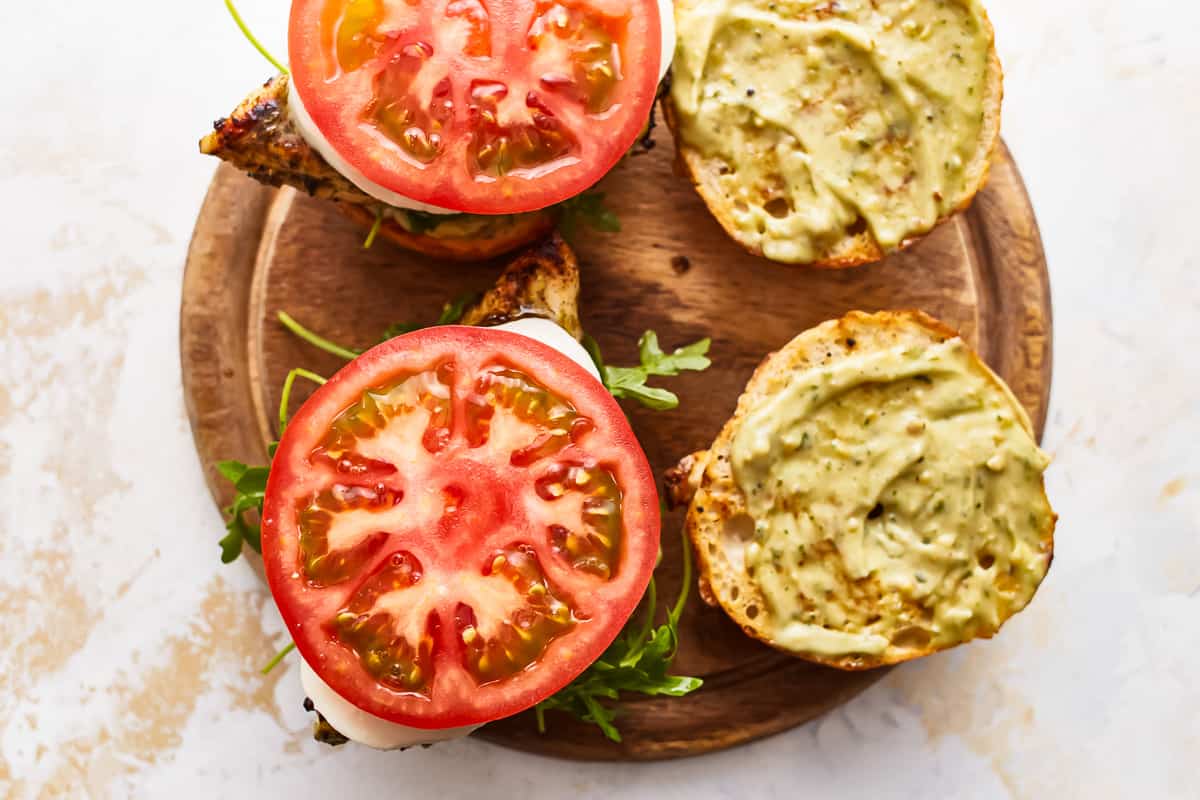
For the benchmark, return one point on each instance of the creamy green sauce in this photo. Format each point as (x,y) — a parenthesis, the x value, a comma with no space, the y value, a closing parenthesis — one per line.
(826,113)
(897,501)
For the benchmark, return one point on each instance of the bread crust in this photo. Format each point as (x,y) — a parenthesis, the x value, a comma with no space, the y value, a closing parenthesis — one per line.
(857,247)
(705,480)
(524,229)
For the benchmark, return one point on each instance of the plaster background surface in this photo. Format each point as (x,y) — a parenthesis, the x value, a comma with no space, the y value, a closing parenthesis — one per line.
(130,655)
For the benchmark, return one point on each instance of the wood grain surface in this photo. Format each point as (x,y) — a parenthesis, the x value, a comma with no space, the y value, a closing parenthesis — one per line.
(257,251)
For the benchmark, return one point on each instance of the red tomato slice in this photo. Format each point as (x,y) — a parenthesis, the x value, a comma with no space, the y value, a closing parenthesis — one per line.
(479,106)
(457,525)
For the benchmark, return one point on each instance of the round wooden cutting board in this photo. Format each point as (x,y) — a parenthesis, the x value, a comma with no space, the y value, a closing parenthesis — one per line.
(257,251)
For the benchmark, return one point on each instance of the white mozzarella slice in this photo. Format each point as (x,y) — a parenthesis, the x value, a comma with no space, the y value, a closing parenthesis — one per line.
(359,726)
(308,129)
(666,15)
(552,335)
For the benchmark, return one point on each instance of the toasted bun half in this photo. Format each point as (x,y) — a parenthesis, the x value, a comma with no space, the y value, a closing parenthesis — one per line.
(902,618)
(854,245)
(516,231)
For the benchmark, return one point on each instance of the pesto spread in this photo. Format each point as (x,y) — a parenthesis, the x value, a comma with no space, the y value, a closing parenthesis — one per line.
(825,113)
(448,226)
(897,501)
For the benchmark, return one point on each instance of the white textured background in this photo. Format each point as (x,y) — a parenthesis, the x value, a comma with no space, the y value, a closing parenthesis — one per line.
(128,655)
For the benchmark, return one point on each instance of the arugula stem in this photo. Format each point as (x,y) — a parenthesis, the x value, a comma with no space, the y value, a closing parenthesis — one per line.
(651,601)
(280,656)
(686,588)
(286,397)
(316,341)
(233,12)
(601,717)
(374,229)
(638,661)
(593,350)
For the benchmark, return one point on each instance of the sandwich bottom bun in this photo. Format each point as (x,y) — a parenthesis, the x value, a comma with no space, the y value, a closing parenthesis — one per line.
(877,496)
(497,237)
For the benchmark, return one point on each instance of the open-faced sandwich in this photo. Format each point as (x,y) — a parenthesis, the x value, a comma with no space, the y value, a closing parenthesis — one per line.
(829,133)
(460,523)
(876,497)
(455,129)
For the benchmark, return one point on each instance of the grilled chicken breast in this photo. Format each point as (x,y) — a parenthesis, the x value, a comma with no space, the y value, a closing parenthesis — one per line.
(261,138)
(543,281)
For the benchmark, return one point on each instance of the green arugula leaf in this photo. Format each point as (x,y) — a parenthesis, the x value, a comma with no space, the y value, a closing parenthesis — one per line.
(637,661)
(588,208)
(630,382)
(231,545)
(593,349)
(454,311)
(693,357)
(399,329)
(253,483)
(232,471)
(633,387)
(251,486)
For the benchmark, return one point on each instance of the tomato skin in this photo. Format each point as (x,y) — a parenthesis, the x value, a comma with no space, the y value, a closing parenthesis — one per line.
(456,701)
(335,100)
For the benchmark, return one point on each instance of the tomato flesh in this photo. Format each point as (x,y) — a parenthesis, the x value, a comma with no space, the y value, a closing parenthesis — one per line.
(497,107)
(456,525)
